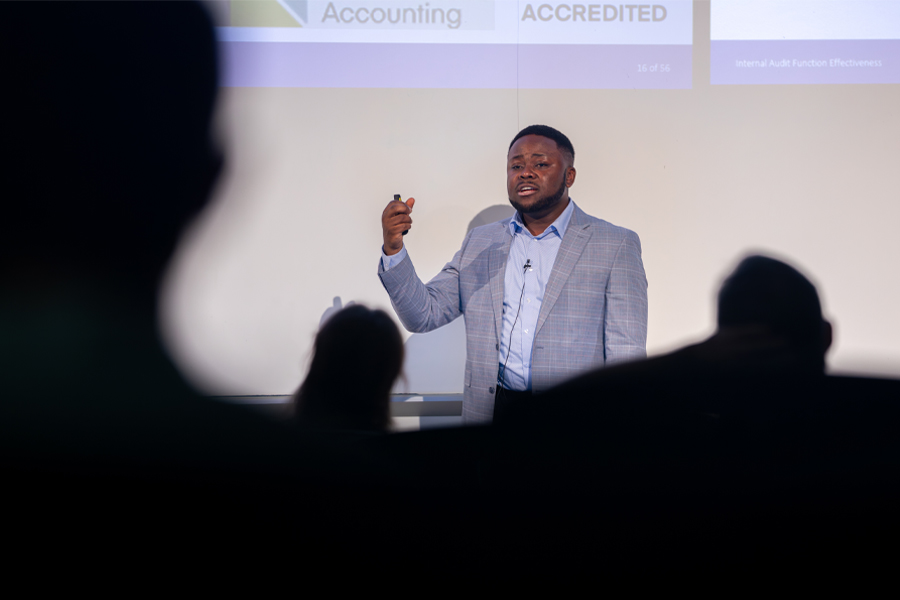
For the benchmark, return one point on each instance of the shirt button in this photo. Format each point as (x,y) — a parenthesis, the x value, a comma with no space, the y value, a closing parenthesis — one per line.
(526,331)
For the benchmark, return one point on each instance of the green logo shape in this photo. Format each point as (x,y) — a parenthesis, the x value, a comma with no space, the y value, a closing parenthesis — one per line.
(268,13)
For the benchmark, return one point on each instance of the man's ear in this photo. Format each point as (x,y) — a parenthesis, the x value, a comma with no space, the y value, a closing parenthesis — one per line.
(570,176)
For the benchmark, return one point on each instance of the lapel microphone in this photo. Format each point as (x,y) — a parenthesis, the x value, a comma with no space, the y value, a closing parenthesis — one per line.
(527,264)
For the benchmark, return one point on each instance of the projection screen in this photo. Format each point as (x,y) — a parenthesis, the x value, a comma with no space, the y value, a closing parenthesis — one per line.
(713,130)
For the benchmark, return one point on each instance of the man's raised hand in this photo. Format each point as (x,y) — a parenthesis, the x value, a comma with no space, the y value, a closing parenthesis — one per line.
(394,221)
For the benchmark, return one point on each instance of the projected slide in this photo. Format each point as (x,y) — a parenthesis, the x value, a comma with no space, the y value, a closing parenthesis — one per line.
(794,42)
(498,44)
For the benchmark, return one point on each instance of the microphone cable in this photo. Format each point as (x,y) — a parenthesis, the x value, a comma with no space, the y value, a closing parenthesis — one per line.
(501,376)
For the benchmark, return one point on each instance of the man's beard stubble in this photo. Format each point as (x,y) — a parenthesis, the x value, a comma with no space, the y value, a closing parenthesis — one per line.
(542,204)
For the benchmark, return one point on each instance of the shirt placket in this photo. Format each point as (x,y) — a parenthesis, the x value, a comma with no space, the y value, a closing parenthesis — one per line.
(529,319)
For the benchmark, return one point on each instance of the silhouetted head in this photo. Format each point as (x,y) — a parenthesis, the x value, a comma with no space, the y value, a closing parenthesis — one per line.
(767,293)
(357,357)
(107,145)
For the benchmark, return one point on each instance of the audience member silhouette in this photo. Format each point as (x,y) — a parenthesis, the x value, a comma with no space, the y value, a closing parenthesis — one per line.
(357,358)
(738,453)
(108,152)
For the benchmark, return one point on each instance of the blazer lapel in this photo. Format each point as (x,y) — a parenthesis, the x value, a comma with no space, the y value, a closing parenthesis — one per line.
(497,269)
(570,250)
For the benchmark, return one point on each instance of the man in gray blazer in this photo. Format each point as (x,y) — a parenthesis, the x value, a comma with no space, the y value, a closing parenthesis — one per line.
(548,294)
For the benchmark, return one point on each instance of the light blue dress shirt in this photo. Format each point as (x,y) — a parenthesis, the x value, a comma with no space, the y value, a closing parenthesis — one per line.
(523,293)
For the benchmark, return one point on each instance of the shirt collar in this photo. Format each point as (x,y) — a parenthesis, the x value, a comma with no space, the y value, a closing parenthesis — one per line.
(558,226)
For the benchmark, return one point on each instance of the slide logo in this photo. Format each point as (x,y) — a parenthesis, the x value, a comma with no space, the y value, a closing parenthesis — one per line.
(364,14)
(268,13)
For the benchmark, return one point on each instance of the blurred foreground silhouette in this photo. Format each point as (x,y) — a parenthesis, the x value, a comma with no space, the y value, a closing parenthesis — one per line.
(734,456)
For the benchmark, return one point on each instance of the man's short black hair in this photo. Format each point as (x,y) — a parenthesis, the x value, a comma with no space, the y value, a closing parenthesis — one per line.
(562,142)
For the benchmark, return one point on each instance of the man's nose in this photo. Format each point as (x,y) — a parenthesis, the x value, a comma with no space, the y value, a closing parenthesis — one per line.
(526,173)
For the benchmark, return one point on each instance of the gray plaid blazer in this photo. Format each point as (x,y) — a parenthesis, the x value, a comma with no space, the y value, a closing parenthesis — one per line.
(594,310)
